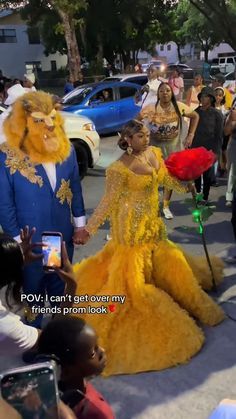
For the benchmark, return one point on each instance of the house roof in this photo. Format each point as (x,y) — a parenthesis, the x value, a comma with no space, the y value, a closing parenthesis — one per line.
(6,12)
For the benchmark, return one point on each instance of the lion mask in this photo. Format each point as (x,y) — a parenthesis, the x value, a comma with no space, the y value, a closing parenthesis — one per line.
(35,127)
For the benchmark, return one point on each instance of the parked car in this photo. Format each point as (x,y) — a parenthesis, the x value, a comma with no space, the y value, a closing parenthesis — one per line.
(223,65)
(109,105)
(81,132)
(137,78)
(157,63)
(188,72)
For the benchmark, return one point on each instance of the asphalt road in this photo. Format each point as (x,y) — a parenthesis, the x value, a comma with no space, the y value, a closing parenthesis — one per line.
(194,389)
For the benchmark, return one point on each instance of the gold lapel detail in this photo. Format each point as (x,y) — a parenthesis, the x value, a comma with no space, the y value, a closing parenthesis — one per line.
(16,161)
(64,193)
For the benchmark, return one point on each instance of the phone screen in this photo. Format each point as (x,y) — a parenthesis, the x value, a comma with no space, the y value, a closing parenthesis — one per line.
(51,250)
(33,393)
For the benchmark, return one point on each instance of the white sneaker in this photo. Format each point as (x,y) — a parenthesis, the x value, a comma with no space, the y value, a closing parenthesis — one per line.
(167,213)
(228,204)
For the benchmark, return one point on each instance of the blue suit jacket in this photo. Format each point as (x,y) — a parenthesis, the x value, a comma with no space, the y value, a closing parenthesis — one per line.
(23,202)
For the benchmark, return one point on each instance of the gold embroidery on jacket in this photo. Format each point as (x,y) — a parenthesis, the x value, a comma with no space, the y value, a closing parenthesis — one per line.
(18,162)
(64,193)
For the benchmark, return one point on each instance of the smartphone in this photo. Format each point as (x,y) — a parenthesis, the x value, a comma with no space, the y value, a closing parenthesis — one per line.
(52,242)
(32,390)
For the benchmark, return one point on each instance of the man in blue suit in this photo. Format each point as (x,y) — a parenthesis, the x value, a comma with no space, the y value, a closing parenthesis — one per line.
(40,185)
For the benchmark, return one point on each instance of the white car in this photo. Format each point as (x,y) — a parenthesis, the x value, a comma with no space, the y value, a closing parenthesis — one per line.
(138,78)
(82,133)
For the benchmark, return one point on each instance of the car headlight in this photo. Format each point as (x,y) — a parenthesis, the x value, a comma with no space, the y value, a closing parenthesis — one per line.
(89,126)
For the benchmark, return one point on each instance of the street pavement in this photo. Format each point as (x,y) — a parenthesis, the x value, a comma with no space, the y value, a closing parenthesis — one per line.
(191,390)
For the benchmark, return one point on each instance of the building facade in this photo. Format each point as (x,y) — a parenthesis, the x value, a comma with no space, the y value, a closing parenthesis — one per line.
(21,50)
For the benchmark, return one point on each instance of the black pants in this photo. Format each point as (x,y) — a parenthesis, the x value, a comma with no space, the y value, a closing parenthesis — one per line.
(208,175)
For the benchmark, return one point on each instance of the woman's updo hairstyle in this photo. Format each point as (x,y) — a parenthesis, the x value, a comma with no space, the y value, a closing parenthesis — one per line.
(128,130)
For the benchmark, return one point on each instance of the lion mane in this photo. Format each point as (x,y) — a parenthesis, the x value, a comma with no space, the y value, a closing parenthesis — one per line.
(26,136)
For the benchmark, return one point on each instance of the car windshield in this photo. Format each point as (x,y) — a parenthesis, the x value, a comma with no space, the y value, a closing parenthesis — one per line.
(77,96)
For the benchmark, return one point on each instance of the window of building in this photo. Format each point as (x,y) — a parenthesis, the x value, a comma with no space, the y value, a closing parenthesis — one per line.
(33,66)
(7,36)
(53,65)
(162,48)
(33,35)
(168,47)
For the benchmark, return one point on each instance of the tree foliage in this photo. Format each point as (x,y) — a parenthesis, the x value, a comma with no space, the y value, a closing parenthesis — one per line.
(221,17)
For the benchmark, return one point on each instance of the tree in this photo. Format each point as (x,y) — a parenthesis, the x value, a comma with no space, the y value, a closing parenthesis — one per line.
(67,12)
(221,16)
(196,29)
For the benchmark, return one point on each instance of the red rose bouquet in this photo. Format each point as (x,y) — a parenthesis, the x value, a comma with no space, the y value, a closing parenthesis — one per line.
(190,164)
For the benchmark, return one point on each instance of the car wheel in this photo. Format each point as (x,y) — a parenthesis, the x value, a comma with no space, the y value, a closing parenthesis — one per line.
(82,159)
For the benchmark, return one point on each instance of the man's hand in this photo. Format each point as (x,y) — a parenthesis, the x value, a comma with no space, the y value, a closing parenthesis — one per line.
(81,235)
(27,246)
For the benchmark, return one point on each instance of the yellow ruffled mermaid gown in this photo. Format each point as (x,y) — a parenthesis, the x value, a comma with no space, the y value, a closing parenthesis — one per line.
(154,328)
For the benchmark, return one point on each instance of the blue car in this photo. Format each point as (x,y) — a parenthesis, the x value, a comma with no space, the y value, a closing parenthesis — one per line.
(109,105)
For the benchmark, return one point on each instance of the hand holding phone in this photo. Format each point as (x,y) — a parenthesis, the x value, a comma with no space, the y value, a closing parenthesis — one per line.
(32,390)
(52,244)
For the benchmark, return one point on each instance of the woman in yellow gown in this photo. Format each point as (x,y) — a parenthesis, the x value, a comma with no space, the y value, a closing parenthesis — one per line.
(154,328)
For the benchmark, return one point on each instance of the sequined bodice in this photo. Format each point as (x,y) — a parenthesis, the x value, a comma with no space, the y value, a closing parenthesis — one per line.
(131,202)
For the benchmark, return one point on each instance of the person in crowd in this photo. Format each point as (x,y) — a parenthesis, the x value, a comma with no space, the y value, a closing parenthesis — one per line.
(15,336)
(80,81)
(220,99)
(230,129)
(219,81)
(40,177)
(69,86)
(29,82)
(138,68)
(176,83)
(12,93)
(192,93)
(222,163)
(209,134)
(110,70)
(164,119)
(75,345)
(149,95)
(231,86)
(106,97)
(157,279)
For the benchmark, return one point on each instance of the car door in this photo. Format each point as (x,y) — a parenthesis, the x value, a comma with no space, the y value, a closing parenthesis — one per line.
(101,109)
(125,101)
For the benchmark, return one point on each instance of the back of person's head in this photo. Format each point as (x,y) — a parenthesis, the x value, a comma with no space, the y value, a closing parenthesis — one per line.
(74,344)
(11,265)
(128,130)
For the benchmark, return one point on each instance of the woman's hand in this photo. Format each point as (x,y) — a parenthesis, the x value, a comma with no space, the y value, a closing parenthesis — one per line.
(188,141)
(27,246)
(66,272)
(81,235)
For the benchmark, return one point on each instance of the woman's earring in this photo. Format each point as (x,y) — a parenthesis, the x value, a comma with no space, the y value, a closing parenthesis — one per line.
(129,150)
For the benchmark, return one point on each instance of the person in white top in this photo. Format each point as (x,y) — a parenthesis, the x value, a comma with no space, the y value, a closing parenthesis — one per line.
(13,93)
(29,82)
(15,336)
(149,96)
